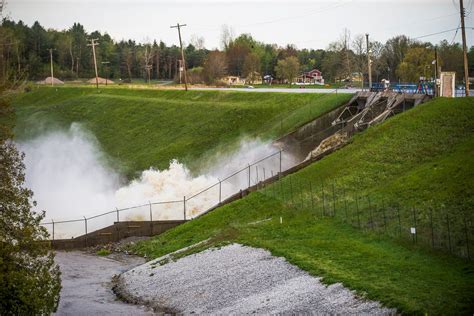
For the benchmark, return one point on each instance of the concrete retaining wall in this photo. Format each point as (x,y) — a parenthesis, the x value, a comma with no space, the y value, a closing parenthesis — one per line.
(115,232)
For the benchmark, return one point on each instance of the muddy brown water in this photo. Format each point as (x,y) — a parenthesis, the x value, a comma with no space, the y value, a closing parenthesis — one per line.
(87,284)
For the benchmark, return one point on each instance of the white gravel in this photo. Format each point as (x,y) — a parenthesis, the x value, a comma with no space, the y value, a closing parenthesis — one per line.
(238,280)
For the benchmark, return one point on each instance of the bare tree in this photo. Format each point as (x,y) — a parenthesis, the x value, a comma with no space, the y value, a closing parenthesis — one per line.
(215,66)
(197,41)
(227,35)
(359,48)
(147,61)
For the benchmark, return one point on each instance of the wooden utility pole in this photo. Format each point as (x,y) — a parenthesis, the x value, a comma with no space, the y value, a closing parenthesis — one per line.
(436,71)
(51,60)
(94,44)
(106,63)
(178,26)
(369,66)
(464,47)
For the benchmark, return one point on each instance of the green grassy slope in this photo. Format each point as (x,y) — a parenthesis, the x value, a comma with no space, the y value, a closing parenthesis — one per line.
(420,158)
(143,128)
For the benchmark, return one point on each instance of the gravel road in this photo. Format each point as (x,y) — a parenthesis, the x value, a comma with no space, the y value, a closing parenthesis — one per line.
(87,287)
(238,280)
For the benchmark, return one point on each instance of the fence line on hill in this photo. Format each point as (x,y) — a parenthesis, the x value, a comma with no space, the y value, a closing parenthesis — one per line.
(448,228)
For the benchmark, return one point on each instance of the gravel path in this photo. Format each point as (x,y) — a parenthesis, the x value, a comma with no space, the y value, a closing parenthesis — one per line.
(87,287)
(238,280)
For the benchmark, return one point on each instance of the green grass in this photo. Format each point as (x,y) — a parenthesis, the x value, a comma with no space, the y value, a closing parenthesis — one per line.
(421,157)
(144,128)
(103,252)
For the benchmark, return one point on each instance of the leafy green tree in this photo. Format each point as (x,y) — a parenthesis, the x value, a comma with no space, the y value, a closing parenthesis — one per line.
(417,63)
(288,68)
(29,278)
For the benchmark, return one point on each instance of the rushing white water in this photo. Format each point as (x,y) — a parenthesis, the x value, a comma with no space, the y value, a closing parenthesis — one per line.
(70,178)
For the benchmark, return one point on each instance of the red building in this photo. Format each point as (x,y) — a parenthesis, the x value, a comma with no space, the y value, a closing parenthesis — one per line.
(314,76)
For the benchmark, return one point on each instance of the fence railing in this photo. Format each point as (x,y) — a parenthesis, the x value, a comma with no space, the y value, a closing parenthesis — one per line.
(427,224)
(183,209)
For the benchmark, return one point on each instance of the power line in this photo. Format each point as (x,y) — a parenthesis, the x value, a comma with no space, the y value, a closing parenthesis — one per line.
(437,33)
(454,37)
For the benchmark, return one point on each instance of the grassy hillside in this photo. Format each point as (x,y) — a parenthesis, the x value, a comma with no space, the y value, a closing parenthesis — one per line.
(143,128)
(420,160)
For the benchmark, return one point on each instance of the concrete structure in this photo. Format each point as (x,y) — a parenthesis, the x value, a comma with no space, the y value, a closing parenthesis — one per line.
(448,88)
(115,232)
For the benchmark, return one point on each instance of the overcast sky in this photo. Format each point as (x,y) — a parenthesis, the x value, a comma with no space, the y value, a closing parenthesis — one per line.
(304,23)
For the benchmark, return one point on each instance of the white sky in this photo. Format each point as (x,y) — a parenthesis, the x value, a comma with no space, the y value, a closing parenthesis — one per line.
(305,23)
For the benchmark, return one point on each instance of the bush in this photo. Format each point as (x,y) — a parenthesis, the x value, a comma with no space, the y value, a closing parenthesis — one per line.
(29,278)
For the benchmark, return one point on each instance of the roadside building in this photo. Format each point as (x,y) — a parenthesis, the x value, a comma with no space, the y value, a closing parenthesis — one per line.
(233,80)
(314,76)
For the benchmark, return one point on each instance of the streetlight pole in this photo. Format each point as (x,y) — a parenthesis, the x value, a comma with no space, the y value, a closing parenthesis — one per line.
(369,66)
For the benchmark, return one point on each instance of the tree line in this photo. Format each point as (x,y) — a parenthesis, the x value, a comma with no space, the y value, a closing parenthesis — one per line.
(24,52)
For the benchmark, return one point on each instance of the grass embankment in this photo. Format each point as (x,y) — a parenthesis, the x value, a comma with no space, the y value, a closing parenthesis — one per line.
(144,128)
(423,155)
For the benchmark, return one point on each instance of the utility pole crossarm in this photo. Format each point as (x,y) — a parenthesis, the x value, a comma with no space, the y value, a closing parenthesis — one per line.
(179,26)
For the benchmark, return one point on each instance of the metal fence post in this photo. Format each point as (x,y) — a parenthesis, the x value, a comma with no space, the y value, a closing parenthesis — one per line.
(151,220)
(249,175)
(52,220)
(184,207)
(280,163)
(85,236)
(384,216)
(291,193)
(431,224)
(467,237)
(256,172)
(118,216)
(370,213)
(357,210)
(323,199)
(220,191)
(345,201)
(449,232)
(399,222)
(415,237)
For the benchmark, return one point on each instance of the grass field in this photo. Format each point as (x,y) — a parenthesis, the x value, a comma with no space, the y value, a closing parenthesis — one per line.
(144,128)
(418,158)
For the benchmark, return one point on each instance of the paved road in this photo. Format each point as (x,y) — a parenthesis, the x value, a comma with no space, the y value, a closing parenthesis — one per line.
(289,90)
(86,284)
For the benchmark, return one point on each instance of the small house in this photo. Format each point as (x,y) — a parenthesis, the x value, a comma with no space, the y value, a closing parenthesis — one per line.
(314,76)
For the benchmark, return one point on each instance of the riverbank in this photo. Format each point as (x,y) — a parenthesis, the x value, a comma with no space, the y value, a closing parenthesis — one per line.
(236,279)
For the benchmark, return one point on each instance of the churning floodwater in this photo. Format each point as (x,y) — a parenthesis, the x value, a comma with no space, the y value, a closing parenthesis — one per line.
(71,178)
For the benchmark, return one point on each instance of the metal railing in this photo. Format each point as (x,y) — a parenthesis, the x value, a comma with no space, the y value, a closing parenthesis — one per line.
(189,207)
